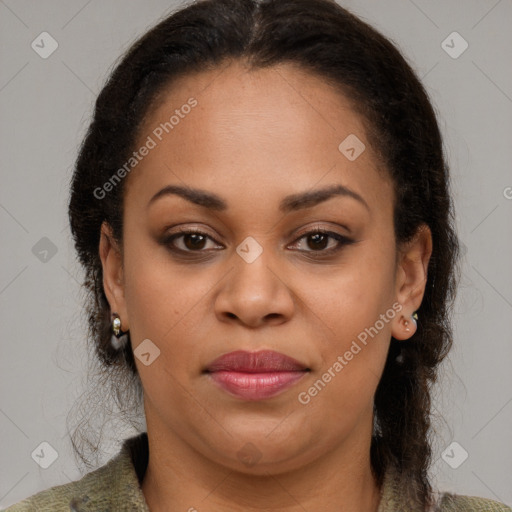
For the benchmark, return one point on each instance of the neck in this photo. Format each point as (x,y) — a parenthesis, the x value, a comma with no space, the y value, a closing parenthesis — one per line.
(338,481)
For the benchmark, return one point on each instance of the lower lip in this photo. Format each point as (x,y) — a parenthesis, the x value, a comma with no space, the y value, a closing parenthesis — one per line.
(256,386)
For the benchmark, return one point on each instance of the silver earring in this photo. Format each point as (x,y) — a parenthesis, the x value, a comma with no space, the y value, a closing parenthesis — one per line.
(117,341)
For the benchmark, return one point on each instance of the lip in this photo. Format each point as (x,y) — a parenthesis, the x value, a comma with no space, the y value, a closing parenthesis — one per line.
(263,361)
(255,375)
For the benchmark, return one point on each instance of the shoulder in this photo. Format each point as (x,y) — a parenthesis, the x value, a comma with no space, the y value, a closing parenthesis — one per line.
(393,499)
(112,487)
(91,490)
(458,503)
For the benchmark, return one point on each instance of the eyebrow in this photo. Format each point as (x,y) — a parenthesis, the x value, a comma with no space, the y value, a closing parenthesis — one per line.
(290,203)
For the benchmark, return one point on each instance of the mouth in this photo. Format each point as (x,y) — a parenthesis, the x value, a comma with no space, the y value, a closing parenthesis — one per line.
(255,375)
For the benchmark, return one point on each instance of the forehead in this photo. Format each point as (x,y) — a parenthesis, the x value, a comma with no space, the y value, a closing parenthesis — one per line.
(274,128)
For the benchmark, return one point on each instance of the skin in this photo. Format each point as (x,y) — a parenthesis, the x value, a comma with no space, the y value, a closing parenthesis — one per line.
(254,138)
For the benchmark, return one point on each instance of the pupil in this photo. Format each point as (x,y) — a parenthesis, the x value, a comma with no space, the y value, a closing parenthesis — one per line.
(196,241)
(318,237)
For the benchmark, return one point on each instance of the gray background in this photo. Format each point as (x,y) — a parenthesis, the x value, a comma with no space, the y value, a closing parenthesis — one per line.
(45,107)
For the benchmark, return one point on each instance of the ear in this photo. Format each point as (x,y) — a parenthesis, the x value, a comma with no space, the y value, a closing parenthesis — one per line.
(411,279)
(113,276)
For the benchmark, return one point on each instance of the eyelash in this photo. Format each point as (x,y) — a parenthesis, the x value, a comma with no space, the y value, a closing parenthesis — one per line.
(342,241)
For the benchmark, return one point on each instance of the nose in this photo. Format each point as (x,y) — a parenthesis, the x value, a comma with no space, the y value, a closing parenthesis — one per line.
(255,294)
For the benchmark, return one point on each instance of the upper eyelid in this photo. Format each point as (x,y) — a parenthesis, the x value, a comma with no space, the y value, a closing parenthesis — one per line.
(315,225)
(308,231)
(320,229)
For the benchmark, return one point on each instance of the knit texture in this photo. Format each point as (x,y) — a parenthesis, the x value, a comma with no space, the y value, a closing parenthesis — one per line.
(115,487)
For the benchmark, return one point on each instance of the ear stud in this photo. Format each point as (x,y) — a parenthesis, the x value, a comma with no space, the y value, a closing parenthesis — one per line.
(414,318)
(116,340)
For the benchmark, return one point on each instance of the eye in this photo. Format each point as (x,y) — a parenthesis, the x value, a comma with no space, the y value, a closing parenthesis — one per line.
(322,241)
(189,240)
(319,242)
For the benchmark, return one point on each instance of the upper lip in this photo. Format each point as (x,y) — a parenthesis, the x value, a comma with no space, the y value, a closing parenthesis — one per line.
(255,362)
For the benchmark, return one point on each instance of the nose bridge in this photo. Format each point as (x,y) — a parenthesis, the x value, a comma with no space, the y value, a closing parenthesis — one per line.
(254,291)
(253,275)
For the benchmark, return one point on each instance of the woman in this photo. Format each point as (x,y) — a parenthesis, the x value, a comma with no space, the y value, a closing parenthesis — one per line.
(262,208)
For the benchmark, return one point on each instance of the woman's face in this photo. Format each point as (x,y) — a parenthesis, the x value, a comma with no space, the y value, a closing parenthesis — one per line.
(258,150)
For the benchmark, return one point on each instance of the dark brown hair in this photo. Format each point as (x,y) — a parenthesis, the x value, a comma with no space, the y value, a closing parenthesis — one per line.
(328,41)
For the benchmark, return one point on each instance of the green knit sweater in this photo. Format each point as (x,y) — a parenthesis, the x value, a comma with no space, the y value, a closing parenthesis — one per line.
(115,487)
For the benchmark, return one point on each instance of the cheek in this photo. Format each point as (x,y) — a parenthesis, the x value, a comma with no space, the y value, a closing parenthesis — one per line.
(356,326)
(350,298)
(161,304)
(353,311)
(159,299)
(172,306)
